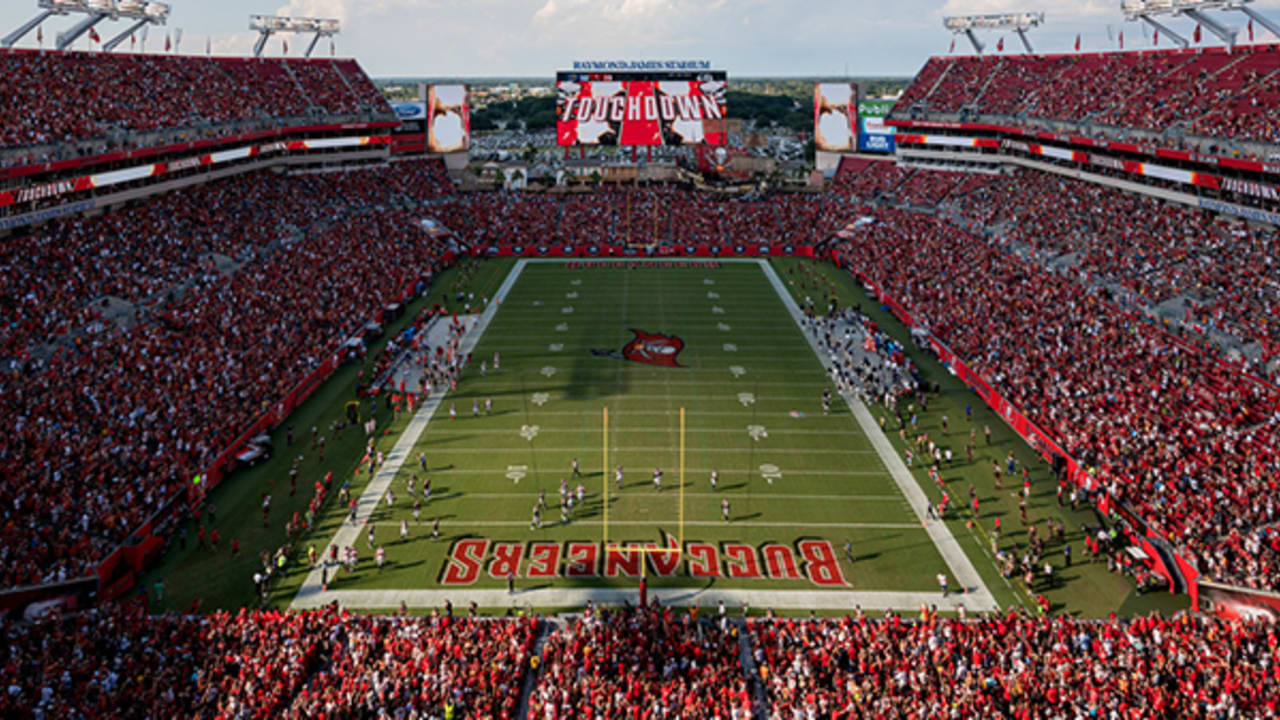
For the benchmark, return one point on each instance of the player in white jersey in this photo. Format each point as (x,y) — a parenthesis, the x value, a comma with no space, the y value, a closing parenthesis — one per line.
(715,479)
(657,479)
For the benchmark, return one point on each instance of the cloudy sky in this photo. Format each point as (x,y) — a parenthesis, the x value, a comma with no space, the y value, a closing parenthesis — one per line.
(536,37)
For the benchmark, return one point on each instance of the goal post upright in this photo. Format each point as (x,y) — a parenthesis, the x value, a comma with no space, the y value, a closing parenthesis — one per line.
(604,479)
(680,531)
(642,551)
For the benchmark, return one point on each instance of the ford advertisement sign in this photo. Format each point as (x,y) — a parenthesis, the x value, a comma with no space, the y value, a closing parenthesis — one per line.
(410,110)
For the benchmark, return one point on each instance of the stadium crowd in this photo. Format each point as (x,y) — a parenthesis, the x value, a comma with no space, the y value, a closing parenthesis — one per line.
(104,430)
(638,217)
(641,662)
(117,662)
(1185,440)
(51,278)
(1224,269)
(1017,667)
(1218,92)
(151,92)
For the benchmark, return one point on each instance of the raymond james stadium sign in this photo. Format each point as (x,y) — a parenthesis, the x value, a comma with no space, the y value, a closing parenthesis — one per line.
(620,65)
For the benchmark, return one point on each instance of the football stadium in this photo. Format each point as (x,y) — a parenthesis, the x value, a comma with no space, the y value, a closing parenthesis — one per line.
(606,393)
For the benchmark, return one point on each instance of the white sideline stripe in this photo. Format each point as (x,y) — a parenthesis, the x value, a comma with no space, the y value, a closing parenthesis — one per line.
(348,533)
(963,571)
(763,450)
(770,496)
(452,525)
(702,596)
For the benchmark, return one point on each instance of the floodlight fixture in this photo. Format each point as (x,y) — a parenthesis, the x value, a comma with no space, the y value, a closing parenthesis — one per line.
(267,25)
(1194,9)
(1019,22)
(141,12)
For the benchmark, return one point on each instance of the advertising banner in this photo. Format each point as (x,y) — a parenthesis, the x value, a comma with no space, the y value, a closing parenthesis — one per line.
(835,110)
(629,109)
(413,117)
(449,127)
(873,134)
(1237,603)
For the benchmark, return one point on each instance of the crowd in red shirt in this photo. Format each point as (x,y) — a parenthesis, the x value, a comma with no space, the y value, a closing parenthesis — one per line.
(330,664)
(104,431)
(1220,93)
(1017,667)
(1187,441)
(642,664)
(55,97)
(638,217)
(1157,249)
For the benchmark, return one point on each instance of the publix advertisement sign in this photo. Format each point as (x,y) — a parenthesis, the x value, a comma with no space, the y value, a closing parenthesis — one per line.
(873,134)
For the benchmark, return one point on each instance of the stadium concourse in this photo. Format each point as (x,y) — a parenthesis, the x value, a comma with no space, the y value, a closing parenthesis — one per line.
(234,303)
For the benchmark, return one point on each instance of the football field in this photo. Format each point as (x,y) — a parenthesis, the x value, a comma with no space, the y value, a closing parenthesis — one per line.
(821,514)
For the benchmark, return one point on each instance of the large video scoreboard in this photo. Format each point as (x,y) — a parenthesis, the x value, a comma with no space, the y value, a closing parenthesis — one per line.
(641,108)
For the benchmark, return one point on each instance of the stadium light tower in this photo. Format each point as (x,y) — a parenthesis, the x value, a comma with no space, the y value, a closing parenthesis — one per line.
(1017,22)
(95,11)
(142,13)
(267,25)
(1144,9)
(1194,9)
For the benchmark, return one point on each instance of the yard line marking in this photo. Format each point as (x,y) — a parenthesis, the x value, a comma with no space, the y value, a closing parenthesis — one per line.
(962,569)
(349,533)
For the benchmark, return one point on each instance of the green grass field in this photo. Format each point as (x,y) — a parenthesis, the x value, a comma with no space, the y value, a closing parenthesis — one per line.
(744,365)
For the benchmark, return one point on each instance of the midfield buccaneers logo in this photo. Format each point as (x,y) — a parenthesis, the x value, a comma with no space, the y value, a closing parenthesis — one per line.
(652,348)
